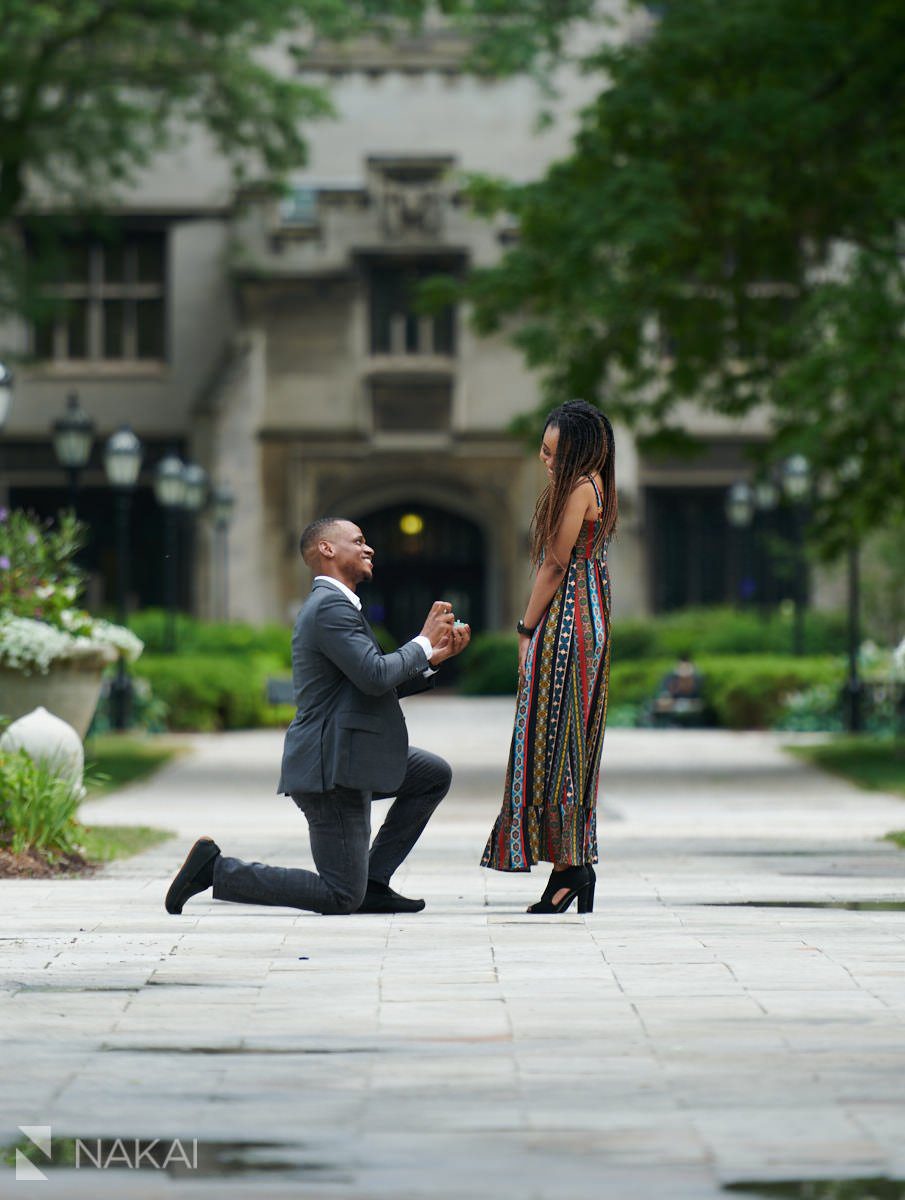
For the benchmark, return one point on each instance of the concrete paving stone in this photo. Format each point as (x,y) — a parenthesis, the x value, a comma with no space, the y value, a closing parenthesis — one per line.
(813,1004)
(868,1090)
(687,980)
(179,1037)
(193,998)
(654,1048)
(537,1030)
(608,1020)
(685,1010)
(880,1119)
(391,991)
(657,956)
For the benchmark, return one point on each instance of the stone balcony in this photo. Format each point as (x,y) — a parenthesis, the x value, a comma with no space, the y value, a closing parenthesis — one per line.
(403,206)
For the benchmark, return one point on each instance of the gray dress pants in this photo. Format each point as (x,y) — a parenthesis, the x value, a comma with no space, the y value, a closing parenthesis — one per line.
(339,825)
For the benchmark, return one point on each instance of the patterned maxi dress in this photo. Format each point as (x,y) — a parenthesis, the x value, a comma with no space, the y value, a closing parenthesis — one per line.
(549,808)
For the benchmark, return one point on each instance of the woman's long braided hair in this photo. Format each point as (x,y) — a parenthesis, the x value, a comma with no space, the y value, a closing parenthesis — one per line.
(586,447)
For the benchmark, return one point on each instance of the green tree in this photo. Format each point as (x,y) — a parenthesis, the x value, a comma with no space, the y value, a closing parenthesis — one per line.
(92,90)
(728,229)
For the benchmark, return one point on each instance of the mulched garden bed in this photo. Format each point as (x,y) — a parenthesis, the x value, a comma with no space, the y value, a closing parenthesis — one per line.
(34,865)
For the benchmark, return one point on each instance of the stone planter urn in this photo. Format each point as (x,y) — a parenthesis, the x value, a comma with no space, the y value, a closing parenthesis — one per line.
(70,690)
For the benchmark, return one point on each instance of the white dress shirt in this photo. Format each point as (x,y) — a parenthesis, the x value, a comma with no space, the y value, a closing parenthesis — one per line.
(421,640)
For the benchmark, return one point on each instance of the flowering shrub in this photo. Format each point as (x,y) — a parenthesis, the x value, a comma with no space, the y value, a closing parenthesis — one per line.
(811,710)
(822,707)
(37,807)
(40,585)
(898,663)
(38,577)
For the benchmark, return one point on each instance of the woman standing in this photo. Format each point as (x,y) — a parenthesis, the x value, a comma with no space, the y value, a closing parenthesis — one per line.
(550,799)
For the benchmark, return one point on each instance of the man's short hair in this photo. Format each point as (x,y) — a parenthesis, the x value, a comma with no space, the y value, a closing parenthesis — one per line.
(316,532)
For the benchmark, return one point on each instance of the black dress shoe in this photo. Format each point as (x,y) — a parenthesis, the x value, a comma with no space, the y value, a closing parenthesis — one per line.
(380,898)
(195,875)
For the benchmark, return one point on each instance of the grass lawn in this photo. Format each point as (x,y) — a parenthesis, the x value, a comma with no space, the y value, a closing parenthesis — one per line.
(112,760)
(877,763)
(103,843)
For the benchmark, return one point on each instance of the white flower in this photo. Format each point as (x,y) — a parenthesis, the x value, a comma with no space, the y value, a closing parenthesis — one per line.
(28,645)
(869,653)
(117,636)
(72,619)
(44,592)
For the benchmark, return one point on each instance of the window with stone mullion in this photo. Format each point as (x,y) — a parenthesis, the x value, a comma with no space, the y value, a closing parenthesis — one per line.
(396,325)
(115,311)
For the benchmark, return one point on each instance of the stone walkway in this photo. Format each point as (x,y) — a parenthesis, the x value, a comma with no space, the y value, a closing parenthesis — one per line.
(676,1040)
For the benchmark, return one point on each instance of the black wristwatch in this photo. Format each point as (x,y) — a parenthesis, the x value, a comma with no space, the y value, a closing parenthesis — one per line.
(524,630)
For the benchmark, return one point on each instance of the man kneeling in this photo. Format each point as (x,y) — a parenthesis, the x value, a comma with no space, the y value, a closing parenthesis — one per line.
(347,745)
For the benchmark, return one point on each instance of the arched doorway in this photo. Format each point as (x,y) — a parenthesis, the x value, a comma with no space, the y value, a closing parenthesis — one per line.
(423,553)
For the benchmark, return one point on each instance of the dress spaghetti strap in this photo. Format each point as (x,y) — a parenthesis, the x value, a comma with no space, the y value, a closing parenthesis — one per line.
(590,479)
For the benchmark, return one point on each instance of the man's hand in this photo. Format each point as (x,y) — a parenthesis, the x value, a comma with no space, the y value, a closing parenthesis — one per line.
(439,623)
(454,643)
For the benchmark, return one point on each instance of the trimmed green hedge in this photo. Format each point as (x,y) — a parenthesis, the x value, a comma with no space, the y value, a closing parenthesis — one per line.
(748,692)
(704,631)
(208,692)
(218,677)
(211,637)
(743,691)
(490,665)
(229,638)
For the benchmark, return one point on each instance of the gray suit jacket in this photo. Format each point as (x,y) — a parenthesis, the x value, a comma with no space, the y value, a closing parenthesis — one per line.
(348,729)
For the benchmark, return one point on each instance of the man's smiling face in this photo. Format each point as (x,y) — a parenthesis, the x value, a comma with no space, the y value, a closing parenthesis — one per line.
(349,553)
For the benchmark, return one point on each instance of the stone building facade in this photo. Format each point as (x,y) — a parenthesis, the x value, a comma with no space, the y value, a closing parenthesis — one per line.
(275,342)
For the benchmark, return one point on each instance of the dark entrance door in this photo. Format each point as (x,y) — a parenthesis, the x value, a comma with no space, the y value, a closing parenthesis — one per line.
(422,554)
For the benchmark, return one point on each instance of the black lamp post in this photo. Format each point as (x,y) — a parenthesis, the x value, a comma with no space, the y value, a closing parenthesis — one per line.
(849,472)
(73,437)
(853,687)
(122,462)
(223,501)
(195,488)
(796,484)
(6,394)
(766,494)
(194,501)
(740,506)
(766,499)
(169,488)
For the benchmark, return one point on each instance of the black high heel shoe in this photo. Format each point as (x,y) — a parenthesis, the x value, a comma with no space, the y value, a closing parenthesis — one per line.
(580,882)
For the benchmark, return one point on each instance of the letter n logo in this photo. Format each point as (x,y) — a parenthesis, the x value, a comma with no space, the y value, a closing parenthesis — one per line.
(38,1135)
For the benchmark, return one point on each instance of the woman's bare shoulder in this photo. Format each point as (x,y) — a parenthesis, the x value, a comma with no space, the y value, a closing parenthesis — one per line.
(583,487)
(588,490)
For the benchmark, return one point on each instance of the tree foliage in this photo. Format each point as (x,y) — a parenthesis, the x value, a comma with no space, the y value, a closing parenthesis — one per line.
(92,90)
(728,229)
